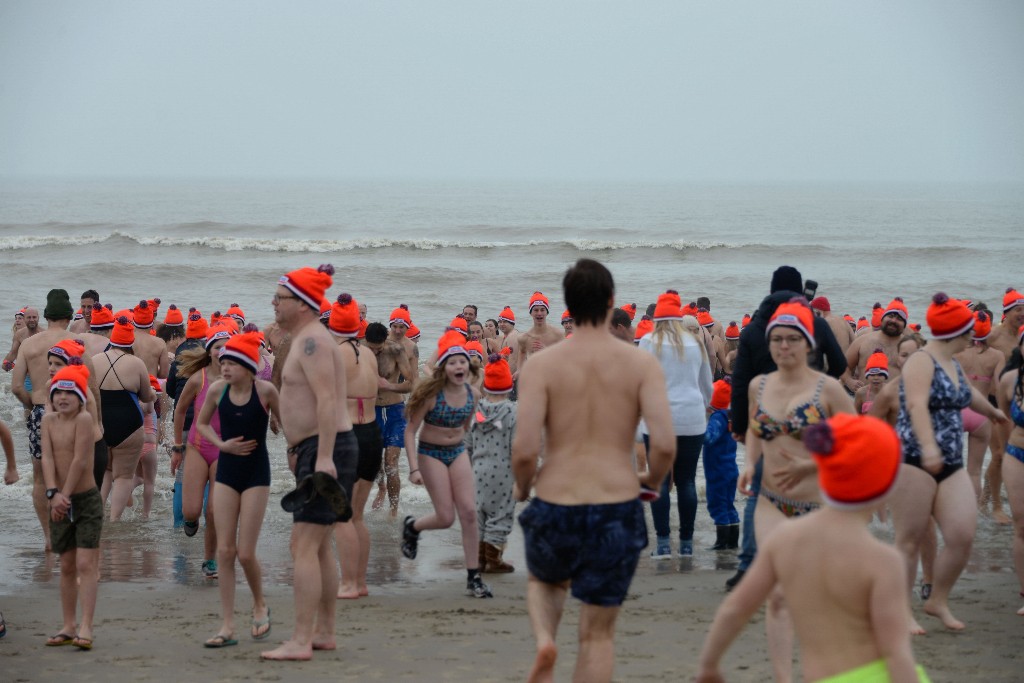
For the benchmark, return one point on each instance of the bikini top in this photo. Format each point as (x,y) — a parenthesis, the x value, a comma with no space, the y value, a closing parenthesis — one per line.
(444,415)
(767,427)
(1016,413)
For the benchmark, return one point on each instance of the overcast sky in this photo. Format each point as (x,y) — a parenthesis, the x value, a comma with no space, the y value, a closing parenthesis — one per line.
(709,91)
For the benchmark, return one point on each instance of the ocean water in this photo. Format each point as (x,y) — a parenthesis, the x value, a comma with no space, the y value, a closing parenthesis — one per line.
(437,246)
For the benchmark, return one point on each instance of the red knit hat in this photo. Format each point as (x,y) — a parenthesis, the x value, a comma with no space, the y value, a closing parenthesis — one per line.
(197,326)
(982,326)
(732,333)
(123,334)
(631,310)
(1020,335)
(73,378)
(722,395)
(876,315)
(539,299)
(363,324)
(669,307)
(898,307)
(497,375)
(691,309)
(67,349)
(507,315)
(643,328)
(401,315)
(174,318)
(215,318)
(849,318)
(704,318)
(916,327)
(102,317)
(475,348)
(217,332)
(450,344)
(878,364)
(155,383)
(862,322)
(796,314)
(821,303)
(745,321)
(235,312)
(948,318)
(460,325)
(244,349)
(858,459)
(143,315)
(566,315)
(309,284)
(1012,299)
(344,316)
(412,333)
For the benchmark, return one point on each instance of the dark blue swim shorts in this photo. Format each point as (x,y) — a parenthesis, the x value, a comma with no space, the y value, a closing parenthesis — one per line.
(391,420)
(596,547)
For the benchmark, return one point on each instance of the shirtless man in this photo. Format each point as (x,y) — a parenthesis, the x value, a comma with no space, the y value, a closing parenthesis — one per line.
(621,326)
(152,351)
(32,364)
(538,337)
(887,338)
(101,324)
(509,335)
(588,481)
(840,328)
(469,312)
(320,439)
(30,329)
(716,328)
(89,299)
(395,381)
(353,538)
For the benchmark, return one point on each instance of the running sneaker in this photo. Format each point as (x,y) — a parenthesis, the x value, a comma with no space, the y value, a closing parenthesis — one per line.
(663,551)
(477,588)
(686,548)
(191,527)
(410,538)
(210,569)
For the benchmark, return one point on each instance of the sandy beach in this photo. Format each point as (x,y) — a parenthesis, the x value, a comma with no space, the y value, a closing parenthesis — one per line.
(419,625)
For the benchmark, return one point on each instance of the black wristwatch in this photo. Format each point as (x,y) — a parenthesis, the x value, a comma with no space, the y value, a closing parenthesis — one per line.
(50,493)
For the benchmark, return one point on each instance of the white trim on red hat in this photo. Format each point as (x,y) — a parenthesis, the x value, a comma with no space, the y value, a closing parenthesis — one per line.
(66,385)
(285,282)
(969,325)
(240,358)
(790,320)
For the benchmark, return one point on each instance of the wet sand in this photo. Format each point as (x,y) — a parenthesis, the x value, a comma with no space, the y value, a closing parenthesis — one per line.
(419,625)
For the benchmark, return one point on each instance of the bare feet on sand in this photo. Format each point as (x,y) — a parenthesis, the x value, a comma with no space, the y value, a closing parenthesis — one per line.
(543,670)
(915,628)
(348,593)
(944,615)
(325,644)
(378,502)
(1000,517)
(289,651)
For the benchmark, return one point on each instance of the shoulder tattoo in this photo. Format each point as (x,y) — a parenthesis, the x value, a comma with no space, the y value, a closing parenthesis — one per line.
(310,347)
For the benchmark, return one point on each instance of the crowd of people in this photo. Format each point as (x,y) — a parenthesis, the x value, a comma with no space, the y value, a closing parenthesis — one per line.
(839,419)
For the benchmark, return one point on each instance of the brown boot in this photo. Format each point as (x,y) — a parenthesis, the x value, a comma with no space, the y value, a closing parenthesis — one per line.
(495,565)
(483,557)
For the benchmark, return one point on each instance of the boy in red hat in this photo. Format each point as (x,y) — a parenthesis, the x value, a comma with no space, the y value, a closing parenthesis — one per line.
(538,337)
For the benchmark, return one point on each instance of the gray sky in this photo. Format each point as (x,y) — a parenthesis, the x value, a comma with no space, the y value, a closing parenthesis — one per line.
(711,91)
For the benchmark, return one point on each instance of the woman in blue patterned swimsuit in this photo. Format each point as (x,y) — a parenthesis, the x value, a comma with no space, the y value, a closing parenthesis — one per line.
(933,481)
(1010,394)
(443,405)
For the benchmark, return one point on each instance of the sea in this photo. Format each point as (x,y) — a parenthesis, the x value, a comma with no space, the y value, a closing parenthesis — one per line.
(436,246)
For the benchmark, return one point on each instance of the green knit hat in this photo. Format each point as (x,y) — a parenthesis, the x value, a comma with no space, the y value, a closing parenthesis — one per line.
(58,305)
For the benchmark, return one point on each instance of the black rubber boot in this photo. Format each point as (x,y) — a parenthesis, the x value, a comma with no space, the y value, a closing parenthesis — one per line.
(733,540)
(721,537)
(735,579)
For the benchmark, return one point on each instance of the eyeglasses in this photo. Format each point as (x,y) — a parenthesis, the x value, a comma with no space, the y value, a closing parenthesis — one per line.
(278,297)
(790,340)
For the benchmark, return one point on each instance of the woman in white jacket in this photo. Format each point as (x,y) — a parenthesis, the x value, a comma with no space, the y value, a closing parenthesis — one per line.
(688,377)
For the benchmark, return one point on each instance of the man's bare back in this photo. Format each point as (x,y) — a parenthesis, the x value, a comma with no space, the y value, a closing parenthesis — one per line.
(299,402)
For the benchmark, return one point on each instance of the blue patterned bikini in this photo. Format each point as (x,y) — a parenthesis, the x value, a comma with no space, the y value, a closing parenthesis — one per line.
(444,415)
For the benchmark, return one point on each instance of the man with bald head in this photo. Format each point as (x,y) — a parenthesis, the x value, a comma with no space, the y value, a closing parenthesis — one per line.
(31,328)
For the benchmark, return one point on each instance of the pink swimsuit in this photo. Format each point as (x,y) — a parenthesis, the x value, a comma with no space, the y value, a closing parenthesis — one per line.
(206,449)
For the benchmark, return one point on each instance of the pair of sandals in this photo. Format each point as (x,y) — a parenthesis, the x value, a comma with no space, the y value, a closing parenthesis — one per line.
(219,641)
(311,486)
(62,639)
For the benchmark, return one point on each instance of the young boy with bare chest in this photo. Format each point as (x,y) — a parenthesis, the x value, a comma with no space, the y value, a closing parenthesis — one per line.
(76,509)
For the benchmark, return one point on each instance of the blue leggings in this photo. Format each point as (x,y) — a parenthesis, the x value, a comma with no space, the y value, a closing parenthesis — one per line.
(684,474)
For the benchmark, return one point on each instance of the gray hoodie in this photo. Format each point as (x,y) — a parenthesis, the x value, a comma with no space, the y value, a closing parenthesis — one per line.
(491,438)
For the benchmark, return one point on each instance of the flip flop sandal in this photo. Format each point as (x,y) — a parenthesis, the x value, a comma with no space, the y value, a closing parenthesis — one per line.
(295,500)
(82,643)
(219,641)
(257,624)
(328,488)
(59,640)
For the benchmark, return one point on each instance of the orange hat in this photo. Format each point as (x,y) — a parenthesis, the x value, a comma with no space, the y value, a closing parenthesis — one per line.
(948,318)
(507,315)
(74,378)
(898,307)
(643,328)
(878,364)
(849,318)
(821,303)
(745,321)
(862,322)
(344,316)
(155,383)
(235,312)
(722,395)
(876,315)
(363,324)
(217,332)
(1012,299)
(102,317)
(401,315)
(243,349)
(412,333)
(506,351)
(1020,335)
(796,314)
(21,312)
(858,459)
(460,325)
(450,344)
(691,309)
(215,318)
(982,326)
(916,327)
(77,316)
(631,310)
(309,284)
(669,306)
(123,334)
(251,327)
(66,350)
(732,333)
(497,375)
(566,315)
(143,315)
(704,317)
(197,326)
(475,348)
(174,318)
(325,310)
(539,299)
